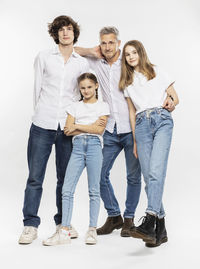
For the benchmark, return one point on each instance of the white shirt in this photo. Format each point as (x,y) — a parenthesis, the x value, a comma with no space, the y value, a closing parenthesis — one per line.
(146,94)
(55,86)
(86,114)
(108,78)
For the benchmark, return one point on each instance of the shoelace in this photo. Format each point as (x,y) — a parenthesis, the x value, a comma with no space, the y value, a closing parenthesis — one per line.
(27,231)
(91,234)
(143,218)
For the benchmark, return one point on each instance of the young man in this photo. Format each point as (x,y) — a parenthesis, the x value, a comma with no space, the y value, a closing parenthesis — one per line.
(56,73)
(118,135)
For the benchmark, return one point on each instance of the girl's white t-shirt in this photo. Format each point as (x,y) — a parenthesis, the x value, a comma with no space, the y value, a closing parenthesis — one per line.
(146,94)
(87,113)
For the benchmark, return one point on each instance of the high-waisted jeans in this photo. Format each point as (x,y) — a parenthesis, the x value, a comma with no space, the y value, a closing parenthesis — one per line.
(87,152)
(153,133)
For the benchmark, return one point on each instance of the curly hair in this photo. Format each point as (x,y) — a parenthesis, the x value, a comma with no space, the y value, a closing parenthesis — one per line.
(59,22)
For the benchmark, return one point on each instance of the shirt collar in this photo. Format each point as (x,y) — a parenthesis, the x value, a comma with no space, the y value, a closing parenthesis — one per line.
(57,51)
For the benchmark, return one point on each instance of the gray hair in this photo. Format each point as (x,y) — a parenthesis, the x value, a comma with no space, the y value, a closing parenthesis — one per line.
(109,30)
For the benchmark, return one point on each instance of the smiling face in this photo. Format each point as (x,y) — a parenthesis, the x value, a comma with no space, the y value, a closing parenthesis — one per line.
(66,35)
(88,89)
(131,56)
(109,45)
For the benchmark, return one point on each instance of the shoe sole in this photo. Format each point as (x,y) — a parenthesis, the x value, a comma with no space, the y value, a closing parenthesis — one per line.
(144,237)
(116,228)
(55,244)
(150,245)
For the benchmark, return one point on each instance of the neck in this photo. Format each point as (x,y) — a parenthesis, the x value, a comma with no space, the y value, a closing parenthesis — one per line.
(90,101)
(114,58)
(66,51)
(137,69)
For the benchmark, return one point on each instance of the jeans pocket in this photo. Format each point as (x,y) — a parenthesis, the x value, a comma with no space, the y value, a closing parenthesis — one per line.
(138,120)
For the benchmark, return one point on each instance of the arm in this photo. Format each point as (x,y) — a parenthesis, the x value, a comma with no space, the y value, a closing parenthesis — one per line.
(90,52)
(171,100)
(132,117)
(38,67)
(96,128)
(74,129)
(69,128)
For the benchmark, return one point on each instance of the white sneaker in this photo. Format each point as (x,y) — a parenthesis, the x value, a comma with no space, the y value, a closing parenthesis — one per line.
(91,236)
(60,237)
(28,235)
(73,232)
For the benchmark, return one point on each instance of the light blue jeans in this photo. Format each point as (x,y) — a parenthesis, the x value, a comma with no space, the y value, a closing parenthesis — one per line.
(87,152)
(153,133)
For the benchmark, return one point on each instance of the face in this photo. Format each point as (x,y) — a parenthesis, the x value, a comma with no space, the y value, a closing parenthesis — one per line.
(109,45)
(66,35)
(88,88)
(131,56)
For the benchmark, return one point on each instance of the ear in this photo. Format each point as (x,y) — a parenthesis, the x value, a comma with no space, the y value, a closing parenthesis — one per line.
(97,86)
(119,42)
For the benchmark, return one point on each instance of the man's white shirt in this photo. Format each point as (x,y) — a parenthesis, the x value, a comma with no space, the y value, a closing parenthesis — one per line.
(108,78)
(55,87)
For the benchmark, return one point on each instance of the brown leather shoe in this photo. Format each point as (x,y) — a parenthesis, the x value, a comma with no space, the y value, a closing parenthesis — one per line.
(128,223)
(111,224)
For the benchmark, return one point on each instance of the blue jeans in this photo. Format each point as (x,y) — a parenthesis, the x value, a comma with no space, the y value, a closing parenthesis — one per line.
(39,148)
(87,152)
(153,133)
(113,145)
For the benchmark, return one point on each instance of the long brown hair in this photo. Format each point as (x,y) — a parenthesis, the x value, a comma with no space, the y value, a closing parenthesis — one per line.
(127,71)
(89,76)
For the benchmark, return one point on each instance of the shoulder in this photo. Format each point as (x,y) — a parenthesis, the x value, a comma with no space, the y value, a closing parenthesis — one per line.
(103,105)
(44,54)
(79,57)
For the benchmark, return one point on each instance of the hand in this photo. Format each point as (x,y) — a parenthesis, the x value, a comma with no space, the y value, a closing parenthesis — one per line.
(169,104)
(100,122)
(70,129)
(135,150)
(96,52)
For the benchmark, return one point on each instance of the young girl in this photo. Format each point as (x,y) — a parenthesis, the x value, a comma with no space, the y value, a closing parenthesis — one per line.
(85,122)
(151,97)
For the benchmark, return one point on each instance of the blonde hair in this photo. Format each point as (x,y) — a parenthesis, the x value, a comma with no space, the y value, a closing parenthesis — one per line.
(127,71)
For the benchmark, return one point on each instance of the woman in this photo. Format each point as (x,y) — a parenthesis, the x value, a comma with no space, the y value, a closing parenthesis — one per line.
(85,122)
(151,97)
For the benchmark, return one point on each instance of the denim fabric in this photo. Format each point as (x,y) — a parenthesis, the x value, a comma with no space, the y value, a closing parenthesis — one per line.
(87,152)
(39,148)
(153,133)
(113,145)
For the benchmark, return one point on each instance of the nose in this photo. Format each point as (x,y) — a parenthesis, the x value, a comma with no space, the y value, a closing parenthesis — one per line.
(107,46)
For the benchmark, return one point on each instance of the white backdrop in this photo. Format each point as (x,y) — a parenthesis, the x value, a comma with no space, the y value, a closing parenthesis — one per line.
(169,31)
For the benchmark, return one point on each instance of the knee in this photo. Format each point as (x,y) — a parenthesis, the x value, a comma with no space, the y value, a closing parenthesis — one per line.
(94,194)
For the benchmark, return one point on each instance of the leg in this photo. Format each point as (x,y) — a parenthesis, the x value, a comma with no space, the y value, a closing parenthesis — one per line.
(39,148)
(158,166)
(111,150)
(94,165)
(74,169)
(133,176)
(63,147)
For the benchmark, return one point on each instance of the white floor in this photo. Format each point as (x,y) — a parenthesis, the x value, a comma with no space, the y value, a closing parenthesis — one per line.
(112,251)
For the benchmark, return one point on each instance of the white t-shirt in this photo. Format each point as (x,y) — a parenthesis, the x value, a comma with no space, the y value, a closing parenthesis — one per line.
(146,94)
(86,114)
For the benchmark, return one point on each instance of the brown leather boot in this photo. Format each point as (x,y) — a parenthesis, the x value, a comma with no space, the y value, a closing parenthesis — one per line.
(128,223)
(111,224)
